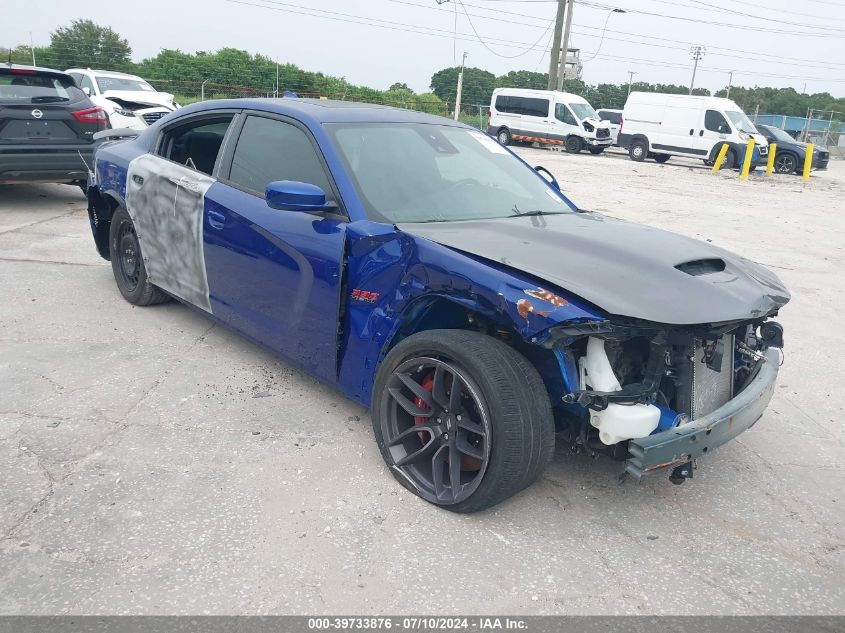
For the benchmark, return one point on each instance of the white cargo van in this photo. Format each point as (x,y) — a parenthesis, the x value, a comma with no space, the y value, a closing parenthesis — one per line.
(657,125)
(548,117)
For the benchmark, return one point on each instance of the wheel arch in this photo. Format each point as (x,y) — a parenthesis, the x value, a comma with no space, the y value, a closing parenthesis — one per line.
(101,208)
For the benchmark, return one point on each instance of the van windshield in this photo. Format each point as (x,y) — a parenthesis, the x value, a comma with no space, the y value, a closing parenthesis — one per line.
(741,121)
(583,111)
(411,172)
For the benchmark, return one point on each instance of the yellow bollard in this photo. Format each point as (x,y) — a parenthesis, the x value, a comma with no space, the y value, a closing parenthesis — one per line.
(720,158)
(746,164)
(808,161)
(770,163)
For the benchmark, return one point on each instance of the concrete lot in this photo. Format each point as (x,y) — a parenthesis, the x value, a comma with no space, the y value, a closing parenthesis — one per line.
(153,463)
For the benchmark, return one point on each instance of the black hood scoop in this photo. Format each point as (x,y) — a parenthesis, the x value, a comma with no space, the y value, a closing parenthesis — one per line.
(698,267)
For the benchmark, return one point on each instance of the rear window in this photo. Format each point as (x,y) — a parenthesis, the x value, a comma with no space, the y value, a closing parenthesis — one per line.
(528,106)
(34,87)
(613,117)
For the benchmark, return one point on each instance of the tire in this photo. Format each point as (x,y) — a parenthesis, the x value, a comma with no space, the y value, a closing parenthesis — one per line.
(574,144)
(596,150)
(504,136)
(730,160)
(661,158)
(501,395)
(638,150)
(785,163)
(127,263)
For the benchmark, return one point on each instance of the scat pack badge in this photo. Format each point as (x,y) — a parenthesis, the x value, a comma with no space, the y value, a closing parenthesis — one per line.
(364,296)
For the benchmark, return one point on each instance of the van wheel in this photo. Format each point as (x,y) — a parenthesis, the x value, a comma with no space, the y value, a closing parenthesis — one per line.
(504,136)
(596,150)
(661,158)
(574,145)
(730,160)
(638,150)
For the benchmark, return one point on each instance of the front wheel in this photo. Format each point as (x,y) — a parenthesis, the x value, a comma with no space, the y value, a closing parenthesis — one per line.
(596,150)
(461,419)
(785,163)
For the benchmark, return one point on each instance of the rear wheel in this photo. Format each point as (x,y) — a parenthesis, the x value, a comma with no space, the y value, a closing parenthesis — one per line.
(127,263)
(661,158)
(574,144)
(638,150)
(461,419)
(785,163)
(504,136)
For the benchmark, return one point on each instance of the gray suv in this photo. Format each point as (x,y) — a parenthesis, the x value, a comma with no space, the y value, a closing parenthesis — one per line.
(47,126)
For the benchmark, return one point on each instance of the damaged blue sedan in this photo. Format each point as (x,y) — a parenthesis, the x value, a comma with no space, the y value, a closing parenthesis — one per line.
(429,273)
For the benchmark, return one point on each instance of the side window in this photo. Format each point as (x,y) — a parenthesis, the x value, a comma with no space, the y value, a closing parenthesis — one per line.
(523,105)
(85,82)
(503,104)
(562,113)
(196,144)
(269,150)
(715,122)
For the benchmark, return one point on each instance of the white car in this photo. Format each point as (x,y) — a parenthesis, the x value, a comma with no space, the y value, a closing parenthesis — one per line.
(613,118)
(129,101)
(547,117)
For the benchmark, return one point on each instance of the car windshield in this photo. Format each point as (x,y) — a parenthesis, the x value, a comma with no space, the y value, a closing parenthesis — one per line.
(780,135)
(409,172)
(123,83)
(32,87)
(583,111)
(741,121)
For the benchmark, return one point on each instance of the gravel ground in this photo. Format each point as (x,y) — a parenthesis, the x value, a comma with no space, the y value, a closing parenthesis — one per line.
(152,463)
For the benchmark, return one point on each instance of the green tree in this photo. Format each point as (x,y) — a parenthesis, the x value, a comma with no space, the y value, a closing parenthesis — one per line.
(523,79)
(86,44)
(400,86)
(477,89)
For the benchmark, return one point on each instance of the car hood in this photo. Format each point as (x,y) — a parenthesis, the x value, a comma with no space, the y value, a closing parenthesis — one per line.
(623,268)
(144,97)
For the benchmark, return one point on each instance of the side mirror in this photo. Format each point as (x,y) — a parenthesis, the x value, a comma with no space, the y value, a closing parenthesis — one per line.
(292,195)
(87,91)
(550,179)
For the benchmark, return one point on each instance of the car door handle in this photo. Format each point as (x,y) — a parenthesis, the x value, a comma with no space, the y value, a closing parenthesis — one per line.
(690,132)
(216,220)
(701,133)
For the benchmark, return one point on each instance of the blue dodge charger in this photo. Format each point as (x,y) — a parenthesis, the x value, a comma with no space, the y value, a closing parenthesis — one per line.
(429,273)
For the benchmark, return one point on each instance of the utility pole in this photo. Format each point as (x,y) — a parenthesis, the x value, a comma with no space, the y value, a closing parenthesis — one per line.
(554,53)
(697,52)
(31,48)
(730,81)
(631,74)
(460,86)
(277,79)
(564,46)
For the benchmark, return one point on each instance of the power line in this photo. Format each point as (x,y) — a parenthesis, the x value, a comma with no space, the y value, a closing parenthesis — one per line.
(604,7)
(715,7)
(525,52)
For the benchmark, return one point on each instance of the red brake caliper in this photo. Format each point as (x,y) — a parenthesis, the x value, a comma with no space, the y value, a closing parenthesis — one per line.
(427,384)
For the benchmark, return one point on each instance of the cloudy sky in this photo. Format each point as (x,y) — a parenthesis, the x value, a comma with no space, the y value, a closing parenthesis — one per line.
(377,42)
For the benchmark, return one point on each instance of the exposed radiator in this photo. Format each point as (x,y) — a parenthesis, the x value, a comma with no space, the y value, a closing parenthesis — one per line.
(703,390)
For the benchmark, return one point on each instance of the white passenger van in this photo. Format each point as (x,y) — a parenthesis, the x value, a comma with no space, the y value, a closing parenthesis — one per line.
(657,125)
(548,117)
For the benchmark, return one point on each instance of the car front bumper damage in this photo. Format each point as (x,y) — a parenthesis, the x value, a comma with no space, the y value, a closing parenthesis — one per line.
(681,445)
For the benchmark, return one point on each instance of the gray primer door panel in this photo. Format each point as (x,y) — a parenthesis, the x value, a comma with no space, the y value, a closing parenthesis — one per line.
(165,201)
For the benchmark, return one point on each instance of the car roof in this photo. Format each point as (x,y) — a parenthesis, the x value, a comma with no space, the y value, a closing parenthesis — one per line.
(32,69)
(107,73)
(325,111)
